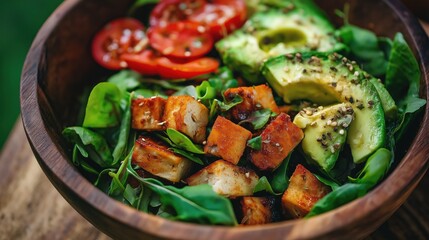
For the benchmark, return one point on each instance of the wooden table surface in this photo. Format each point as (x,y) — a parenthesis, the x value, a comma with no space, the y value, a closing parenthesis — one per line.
(31,208)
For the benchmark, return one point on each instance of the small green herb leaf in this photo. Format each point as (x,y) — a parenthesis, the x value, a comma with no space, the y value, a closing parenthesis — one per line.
(259,118)
(255,143)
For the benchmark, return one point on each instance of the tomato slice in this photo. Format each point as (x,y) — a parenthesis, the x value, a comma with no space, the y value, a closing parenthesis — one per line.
(123,35)
(144,62)
(181,69)
(168,11)
(181,39)
(221,16)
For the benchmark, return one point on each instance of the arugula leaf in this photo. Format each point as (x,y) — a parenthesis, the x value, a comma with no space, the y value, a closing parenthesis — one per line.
(120,149)
(264,185)
(255,143)
(119,179)
(103,108)
(198,204)
(90,144)
(180,140)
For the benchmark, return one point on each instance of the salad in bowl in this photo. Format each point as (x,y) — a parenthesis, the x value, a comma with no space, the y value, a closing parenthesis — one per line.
(242,112)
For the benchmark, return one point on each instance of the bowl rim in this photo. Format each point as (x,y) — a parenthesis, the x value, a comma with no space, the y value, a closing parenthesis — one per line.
(397,185)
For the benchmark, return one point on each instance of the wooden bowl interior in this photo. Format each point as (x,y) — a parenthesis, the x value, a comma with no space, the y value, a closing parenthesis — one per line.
(63,67)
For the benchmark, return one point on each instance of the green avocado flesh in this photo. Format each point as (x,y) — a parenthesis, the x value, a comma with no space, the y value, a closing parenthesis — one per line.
(328,79)
(325,132)
(273,33)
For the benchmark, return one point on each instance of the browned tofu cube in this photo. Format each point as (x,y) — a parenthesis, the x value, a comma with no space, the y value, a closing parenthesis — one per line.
(147,114)
(187,115)
(158,160)
(257,210)
(254,98)
(226,179)
(278,139)
(303,192)
(227,140)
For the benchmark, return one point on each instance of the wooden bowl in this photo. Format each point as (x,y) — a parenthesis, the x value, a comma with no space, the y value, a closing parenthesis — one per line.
(59,65)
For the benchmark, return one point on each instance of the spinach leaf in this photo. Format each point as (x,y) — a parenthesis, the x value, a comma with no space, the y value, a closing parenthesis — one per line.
(103,108)
(149,92)
(403,70)
(259,118)
(403,82)
(365,48)
(340,196)
(328,182)
(375,168)
(198,204)
(255,143)
(188,90)
(90,144)
(180,140)
(280,179)
(125,80)
(264,185)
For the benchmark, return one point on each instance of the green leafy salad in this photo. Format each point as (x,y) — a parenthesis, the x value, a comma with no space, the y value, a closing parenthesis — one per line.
(242,112)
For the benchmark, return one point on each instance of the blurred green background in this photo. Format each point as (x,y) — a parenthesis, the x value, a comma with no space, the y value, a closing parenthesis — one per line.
(20,21)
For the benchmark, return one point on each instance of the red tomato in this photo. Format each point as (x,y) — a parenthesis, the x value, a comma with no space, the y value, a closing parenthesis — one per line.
(181,39)
(144,62)
(221,16)
(168,11)
(123,35)
(169,69)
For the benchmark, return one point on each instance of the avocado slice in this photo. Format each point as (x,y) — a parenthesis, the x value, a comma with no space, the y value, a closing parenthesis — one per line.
(326,79)
(301,27)
(325,132)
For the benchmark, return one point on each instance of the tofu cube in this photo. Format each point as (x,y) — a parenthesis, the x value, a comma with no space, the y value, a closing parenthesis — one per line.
(254,98)
(188,116)
(147,114)
(226,179)
(227,140)
(303,192)
(157,159)
(279,138)
(257,210)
